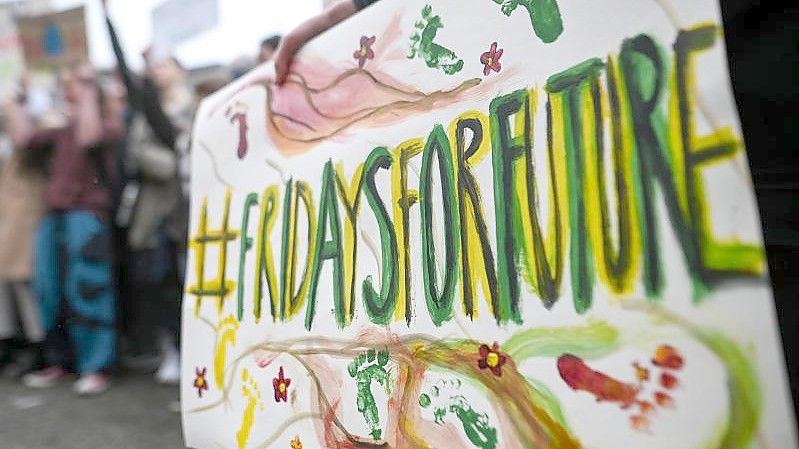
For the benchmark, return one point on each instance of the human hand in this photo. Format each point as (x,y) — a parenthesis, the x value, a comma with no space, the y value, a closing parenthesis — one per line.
(147,54)
(290,44)
(297,38)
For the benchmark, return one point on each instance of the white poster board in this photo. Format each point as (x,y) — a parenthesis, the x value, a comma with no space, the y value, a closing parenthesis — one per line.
(483,224)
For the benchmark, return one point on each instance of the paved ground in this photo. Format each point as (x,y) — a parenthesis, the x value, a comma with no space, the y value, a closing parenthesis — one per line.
(135,414)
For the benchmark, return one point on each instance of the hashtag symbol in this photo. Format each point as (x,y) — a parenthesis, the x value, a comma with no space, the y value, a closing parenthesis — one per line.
(219,288)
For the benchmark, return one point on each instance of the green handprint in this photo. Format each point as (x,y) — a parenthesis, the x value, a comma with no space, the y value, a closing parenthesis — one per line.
(366,368)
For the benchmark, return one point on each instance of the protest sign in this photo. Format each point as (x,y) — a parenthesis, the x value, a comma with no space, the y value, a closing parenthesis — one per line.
(12,64)
(176,21)
(52,40)
(483,224)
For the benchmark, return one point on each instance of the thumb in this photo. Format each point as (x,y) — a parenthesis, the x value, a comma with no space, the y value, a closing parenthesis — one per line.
(281,69)
(283,59)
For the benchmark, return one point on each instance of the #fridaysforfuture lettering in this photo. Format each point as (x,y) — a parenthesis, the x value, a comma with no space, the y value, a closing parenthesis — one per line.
(483,224)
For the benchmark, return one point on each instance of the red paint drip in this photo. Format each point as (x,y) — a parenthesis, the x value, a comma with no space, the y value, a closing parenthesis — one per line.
(240,119)
(580,377)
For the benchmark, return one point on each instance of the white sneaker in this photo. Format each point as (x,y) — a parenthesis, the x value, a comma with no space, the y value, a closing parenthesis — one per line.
(92,384)
(169,371)
(45,378)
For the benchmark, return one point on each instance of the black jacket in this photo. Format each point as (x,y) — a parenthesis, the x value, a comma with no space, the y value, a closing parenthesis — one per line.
(763,46)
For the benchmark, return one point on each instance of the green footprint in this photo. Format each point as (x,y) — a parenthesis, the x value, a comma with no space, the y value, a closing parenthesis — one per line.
(366,368)
(544,15)
(444,399)
(435,56)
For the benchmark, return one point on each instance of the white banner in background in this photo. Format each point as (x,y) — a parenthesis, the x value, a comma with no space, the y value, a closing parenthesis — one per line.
(176,21)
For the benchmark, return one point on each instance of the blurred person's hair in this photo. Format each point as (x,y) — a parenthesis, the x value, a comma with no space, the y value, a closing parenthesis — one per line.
(208,87)
(272,42)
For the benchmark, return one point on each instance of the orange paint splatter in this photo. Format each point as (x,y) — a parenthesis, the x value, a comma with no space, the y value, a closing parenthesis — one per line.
(664,400)
(667,357)
(668,381)
(646,407)
(640,423)
(580,377)
(641,373)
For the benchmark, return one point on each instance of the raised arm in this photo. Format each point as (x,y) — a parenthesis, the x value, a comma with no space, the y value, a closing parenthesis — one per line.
(18,123)
(87,117)
(164,130)
(143,95)
(124,71)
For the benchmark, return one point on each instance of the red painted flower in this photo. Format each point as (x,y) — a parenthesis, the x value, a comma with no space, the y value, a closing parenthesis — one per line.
(281,384)
(365,51)
(490,59)
(199,382)
(492,359)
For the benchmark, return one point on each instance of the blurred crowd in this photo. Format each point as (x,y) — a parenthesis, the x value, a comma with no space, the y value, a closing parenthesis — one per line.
(93,219)
(94,197)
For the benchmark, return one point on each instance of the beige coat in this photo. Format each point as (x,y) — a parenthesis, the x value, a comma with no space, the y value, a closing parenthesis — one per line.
(159,201)
(21,208)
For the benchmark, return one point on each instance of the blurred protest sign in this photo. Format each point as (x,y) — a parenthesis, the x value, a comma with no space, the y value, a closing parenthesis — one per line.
(175,21)
(54,39)
(12,63)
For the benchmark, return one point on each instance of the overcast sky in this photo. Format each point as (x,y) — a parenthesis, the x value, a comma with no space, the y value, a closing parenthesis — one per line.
(243,24)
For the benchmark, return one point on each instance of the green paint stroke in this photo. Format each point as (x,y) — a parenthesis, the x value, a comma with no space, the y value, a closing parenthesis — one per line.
(366,368)
(746,401)
(572,84)
(328,250)
(439,304)
(547,400)
(380,306)
(544,15)
(587,342)
(246,245)
(422,46)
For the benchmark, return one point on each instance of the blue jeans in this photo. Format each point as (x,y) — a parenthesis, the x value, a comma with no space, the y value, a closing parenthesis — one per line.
(73,278)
